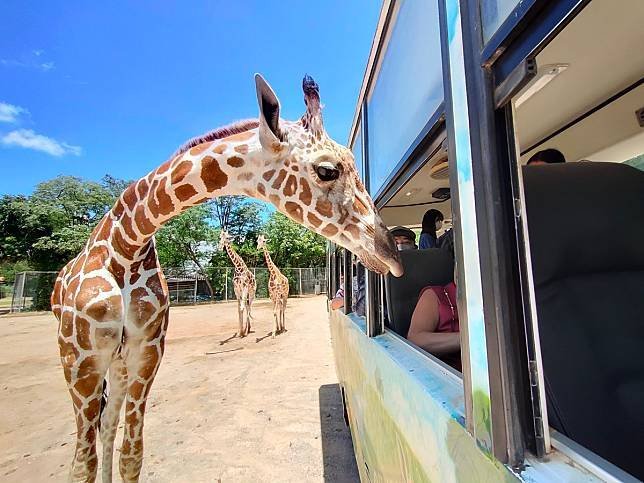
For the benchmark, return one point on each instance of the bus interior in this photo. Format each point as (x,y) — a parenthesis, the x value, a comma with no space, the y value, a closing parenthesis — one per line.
(584,227)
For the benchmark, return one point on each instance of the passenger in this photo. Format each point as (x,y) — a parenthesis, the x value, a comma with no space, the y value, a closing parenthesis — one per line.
(337,302)
(434,324)
(432,222)
(404,237)
(547,156)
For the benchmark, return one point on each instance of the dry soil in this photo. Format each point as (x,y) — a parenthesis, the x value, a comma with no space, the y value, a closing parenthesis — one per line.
(255,409)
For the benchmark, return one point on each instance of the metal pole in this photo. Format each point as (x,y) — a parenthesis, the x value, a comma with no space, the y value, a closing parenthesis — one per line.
(300,270)
(24,299)
(226,284)
(194,296)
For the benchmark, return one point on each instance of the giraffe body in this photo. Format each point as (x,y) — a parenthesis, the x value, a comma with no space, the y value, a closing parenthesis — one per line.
(244,284)
(277,288)
(112,300)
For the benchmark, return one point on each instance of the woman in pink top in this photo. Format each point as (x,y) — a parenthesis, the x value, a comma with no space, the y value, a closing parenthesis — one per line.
(434,324)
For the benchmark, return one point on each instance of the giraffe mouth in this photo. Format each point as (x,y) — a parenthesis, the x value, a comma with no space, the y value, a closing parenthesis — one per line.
(380,265)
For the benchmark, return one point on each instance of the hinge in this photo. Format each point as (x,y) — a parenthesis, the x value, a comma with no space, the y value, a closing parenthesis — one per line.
(534,373)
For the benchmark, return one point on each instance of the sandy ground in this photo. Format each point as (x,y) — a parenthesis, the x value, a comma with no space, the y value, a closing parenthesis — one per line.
(258,409)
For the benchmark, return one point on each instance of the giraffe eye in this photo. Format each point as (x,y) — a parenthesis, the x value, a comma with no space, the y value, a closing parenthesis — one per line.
(327,172)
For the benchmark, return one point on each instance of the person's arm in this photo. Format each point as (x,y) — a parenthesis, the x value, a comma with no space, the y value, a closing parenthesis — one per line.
(337,303)
(423,326)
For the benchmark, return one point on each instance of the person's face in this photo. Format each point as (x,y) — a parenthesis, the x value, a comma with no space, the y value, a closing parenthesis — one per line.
(403,242)
(439,224)
(536,162)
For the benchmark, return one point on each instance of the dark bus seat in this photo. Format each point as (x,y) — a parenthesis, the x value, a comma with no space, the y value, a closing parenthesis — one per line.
(586,228)
(432,266)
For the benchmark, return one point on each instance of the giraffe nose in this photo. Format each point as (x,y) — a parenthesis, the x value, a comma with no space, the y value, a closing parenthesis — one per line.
(386,251)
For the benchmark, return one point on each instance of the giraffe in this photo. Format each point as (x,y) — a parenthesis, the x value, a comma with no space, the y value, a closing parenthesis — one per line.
(111,300)
(277,288)
(243,282)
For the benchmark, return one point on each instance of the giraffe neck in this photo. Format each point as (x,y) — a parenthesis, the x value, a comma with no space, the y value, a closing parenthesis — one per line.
(226,166)
(269,261)
(237,260)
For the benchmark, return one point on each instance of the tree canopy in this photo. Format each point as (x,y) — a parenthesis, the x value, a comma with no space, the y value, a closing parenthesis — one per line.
(44,230)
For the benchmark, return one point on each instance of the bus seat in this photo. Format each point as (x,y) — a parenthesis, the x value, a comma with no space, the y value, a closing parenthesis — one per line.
(432,266)
(586,228)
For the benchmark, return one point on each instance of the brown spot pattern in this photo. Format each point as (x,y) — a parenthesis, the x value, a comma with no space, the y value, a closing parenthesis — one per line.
(245,176)
(260,189)
(294,210)
(220,148)
(200,148)
(235,161)
(164,167)
(126,224)
(329,230)
(185,192)
(83,333)
(118,209)
(280,178)
(274,199)
(242,149)
(142,221)
(242,136)
(305,194)
(324,207)
(105,337)
(180,172)
(150,357)
(118,271)
(140,309)
(291,186)
(106,310)
(353,231)
(87,377)
(212,175)
(90,288)
(67,323)
(96,258)
(129,196)
(268,174)
(359,206)
(165,202)
(314,220)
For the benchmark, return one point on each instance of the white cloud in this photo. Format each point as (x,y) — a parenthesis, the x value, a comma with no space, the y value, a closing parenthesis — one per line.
(26,138)
(47,66)
(33,60)
(37,52)
(11,113)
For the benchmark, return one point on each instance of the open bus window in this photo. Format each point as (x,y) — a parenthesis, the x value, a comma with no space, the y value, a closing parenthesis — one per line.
(584,221)
(419,294)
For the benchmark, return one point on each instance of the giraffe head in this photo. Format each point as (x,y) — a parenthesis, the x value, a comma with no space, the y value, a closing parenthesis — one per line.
(261,242)
(224,239)
(313,180)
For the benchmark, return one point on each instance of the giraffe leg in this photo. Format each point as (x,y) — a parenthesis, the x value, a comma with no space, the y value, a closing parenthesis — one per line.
(110,416)
(276,327)
(240,315)
(142,360)
(84,375)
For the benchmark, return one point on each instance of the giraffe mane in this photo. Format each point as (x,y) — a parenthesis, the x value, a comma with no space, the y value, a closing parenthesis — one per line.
(218,133)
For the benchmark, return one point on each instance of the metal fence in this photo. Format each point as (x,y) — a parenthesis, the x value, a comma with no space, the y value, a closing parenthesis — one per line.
(32,290)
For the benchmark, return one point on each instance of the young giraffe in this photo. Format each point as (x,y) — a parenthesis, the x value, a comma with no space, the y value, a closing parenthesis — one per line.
(243,282)
(277,288)
(112,299)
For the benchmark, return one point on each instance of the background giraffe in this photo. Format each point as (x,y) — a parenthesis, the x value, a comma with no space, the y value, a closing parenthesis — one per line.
(112,299)
(277,288)
(243,282)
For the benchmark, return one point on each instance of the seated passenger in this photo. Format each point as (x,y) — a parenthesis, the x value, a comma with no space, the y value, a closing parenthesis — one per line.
(337,302)
(432,222)
(404,237)
(434,324)
(547,156)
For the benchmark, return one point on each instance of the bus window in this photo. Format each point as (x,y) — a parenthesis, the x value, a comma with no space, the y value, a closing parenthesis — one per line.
(426,293)
(584,222)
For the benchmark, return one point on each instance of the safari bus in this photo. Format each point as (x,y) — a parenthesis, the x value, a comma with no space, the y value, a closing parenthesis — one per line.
(548,257)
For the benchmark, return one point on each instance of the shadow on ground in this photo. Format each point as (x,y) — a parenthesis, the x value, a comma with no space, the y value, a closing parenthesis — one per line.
(337,447)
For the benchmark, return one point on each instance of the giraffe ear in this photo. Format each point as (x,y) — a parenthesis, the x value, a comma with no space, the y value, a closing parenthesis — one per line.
(313,115)
(269,113)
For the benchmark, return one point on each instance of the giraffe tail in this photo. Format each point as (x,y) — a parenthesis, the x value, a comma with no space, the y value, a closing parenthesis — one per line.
(104,396)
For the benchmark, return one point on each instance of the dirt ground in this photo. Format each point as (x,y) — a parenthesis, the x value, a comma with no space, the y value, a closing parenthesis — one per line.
(256,409)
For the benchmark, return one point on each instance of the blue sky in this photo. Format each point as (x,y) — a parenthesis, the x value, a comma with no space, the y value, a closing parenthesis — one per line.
(89,88)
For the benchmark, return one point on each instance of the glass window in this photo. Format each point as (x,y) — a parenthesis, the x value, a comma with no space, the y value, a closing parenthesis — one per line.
(357,153)
(408,89)
(493,14)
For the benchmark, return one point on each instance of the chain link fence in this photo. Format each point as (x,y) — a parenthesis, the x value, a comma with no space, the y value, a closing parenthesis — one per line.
(32,290)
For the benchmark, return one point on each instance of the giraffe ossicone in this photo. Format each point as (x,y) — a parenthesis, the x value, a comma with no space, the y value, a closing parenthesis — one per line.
(277,288)
(112,299)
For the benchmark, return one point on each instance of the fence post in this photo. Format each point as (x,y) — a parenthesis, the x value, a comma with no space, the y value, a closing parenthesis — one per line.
(24,298)
(194,295)
(226,285)
(300,270)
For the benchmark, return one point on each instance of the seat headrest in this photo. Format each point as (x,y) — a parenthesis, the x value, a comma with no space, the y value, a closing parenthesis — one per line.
(433,266)
(583,218)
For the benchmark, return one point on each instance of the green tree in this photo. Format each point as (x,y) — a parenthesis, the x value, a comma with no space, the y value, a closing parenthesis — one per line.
(292,245)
